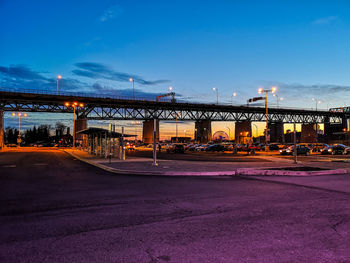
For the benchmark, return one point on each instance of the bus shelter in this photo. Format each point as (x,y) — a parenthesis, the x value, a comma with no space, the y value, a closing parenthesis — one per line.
(105,143)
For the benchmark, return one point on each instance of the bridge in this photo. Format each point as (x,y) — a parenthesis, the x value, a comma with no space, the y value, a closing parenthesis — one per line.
(105,107)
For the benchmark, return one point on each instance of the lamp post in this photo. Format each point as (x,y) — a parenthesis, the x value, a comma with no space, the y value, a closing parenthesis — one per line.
(317,102)
(260,91)
(58,78)
(234,94)
(74,105)
(217,95)
(19,140)
(133,87)
(170,89)
(278,99)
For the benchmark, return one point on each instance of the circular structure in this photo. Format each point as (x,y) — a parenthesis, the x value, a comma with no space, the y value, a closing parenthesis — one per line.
(220,135)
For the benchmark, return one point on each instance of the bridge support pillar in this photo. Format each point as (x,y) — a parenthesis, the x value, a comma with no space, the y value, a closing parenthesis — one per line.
(308,132)
(243,132)
(336,132)
(147,132)
(2,141)
(202,131)
(81,139)
(276,132)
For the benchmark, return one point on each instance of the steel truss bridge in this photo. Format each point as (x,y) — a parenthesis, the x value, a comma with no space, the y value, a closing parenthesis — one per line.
(105,108)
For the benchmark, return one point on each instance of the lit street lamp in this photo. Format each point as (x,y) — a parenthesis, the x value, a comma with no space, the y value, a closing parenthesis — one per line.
(133,88)
(58,78)
(260,91)
(316,102)
(233,95)
(278,99)
(19,140)
(74,105)
(170,88)
(217,95)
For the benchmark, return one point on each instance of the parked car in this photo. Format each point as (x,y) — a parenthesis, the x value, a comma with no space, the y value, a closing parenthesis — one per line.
(215,148)
(336,149)
(274,147)
(175,148)
(201,148)
(301,149)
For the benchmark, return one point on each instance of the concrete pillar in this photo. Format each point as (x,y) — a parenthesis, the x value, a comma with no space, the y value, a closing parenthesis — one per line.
(243,132)
(308,132)
(336,132)
(81,139)
(202,131)
(2,142)
(276,132)
(147,132)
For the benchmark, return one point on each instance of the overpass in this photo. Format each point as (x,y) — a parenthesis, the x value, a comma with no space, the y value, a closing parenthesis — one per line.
(105,107)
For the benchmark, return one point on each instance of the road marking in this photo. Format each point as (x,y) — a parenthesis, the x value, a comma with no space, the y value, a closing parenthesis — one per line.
(40,164)
(9,166)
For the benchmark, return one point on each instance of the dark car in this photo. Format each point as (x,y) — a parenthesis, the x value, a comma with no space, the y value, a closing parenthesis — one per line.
(175,148)
(335,149)
(301,149)
(274,147)
(215,148)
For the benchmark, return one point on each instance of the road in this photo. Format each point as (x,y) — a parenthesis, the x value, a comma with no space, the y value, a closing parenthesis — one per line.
(57,209)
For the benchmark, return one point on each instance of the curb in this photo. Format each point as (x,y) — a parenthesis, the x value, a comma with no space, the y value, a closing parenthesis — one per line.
(118,171)
(237,172)
(252,171)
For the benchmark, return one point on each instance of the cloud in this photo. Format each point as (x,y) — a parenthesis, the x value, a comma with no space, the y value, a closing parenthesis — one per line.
(297,94)
(21,77)
(21,72)
(111,13)
(324,20)
(100,71)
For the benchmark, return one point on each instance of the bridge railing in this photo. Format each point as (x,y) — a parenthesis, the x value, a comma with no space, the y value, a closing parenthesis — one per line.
(79,94)
(111,96)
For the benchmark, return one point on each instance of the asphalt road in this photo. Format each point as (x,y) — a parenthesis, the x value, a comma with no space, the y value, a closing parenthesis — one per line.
(57,209)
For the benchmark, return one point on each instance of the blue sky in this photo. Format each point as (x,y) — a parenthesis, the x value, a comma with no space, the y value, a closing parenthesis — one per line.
(236,46)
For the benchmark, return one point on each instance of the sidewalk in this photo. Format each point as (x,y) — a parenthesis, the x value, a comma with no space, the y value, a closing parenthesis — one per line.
(138,165)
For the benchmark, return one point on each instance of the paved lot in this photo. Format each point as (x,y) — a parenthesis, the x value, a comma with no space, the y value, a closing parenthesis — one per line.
(57,209)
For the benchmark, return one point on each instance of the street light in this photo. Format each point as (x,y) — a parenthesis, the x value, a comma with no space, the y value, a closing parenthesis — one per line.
(133,87)
(233,95)
(316,101)
(58,78)
(74,105)
(278,99)
(19,114)
(217,95)
(260,91)
(170,88)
